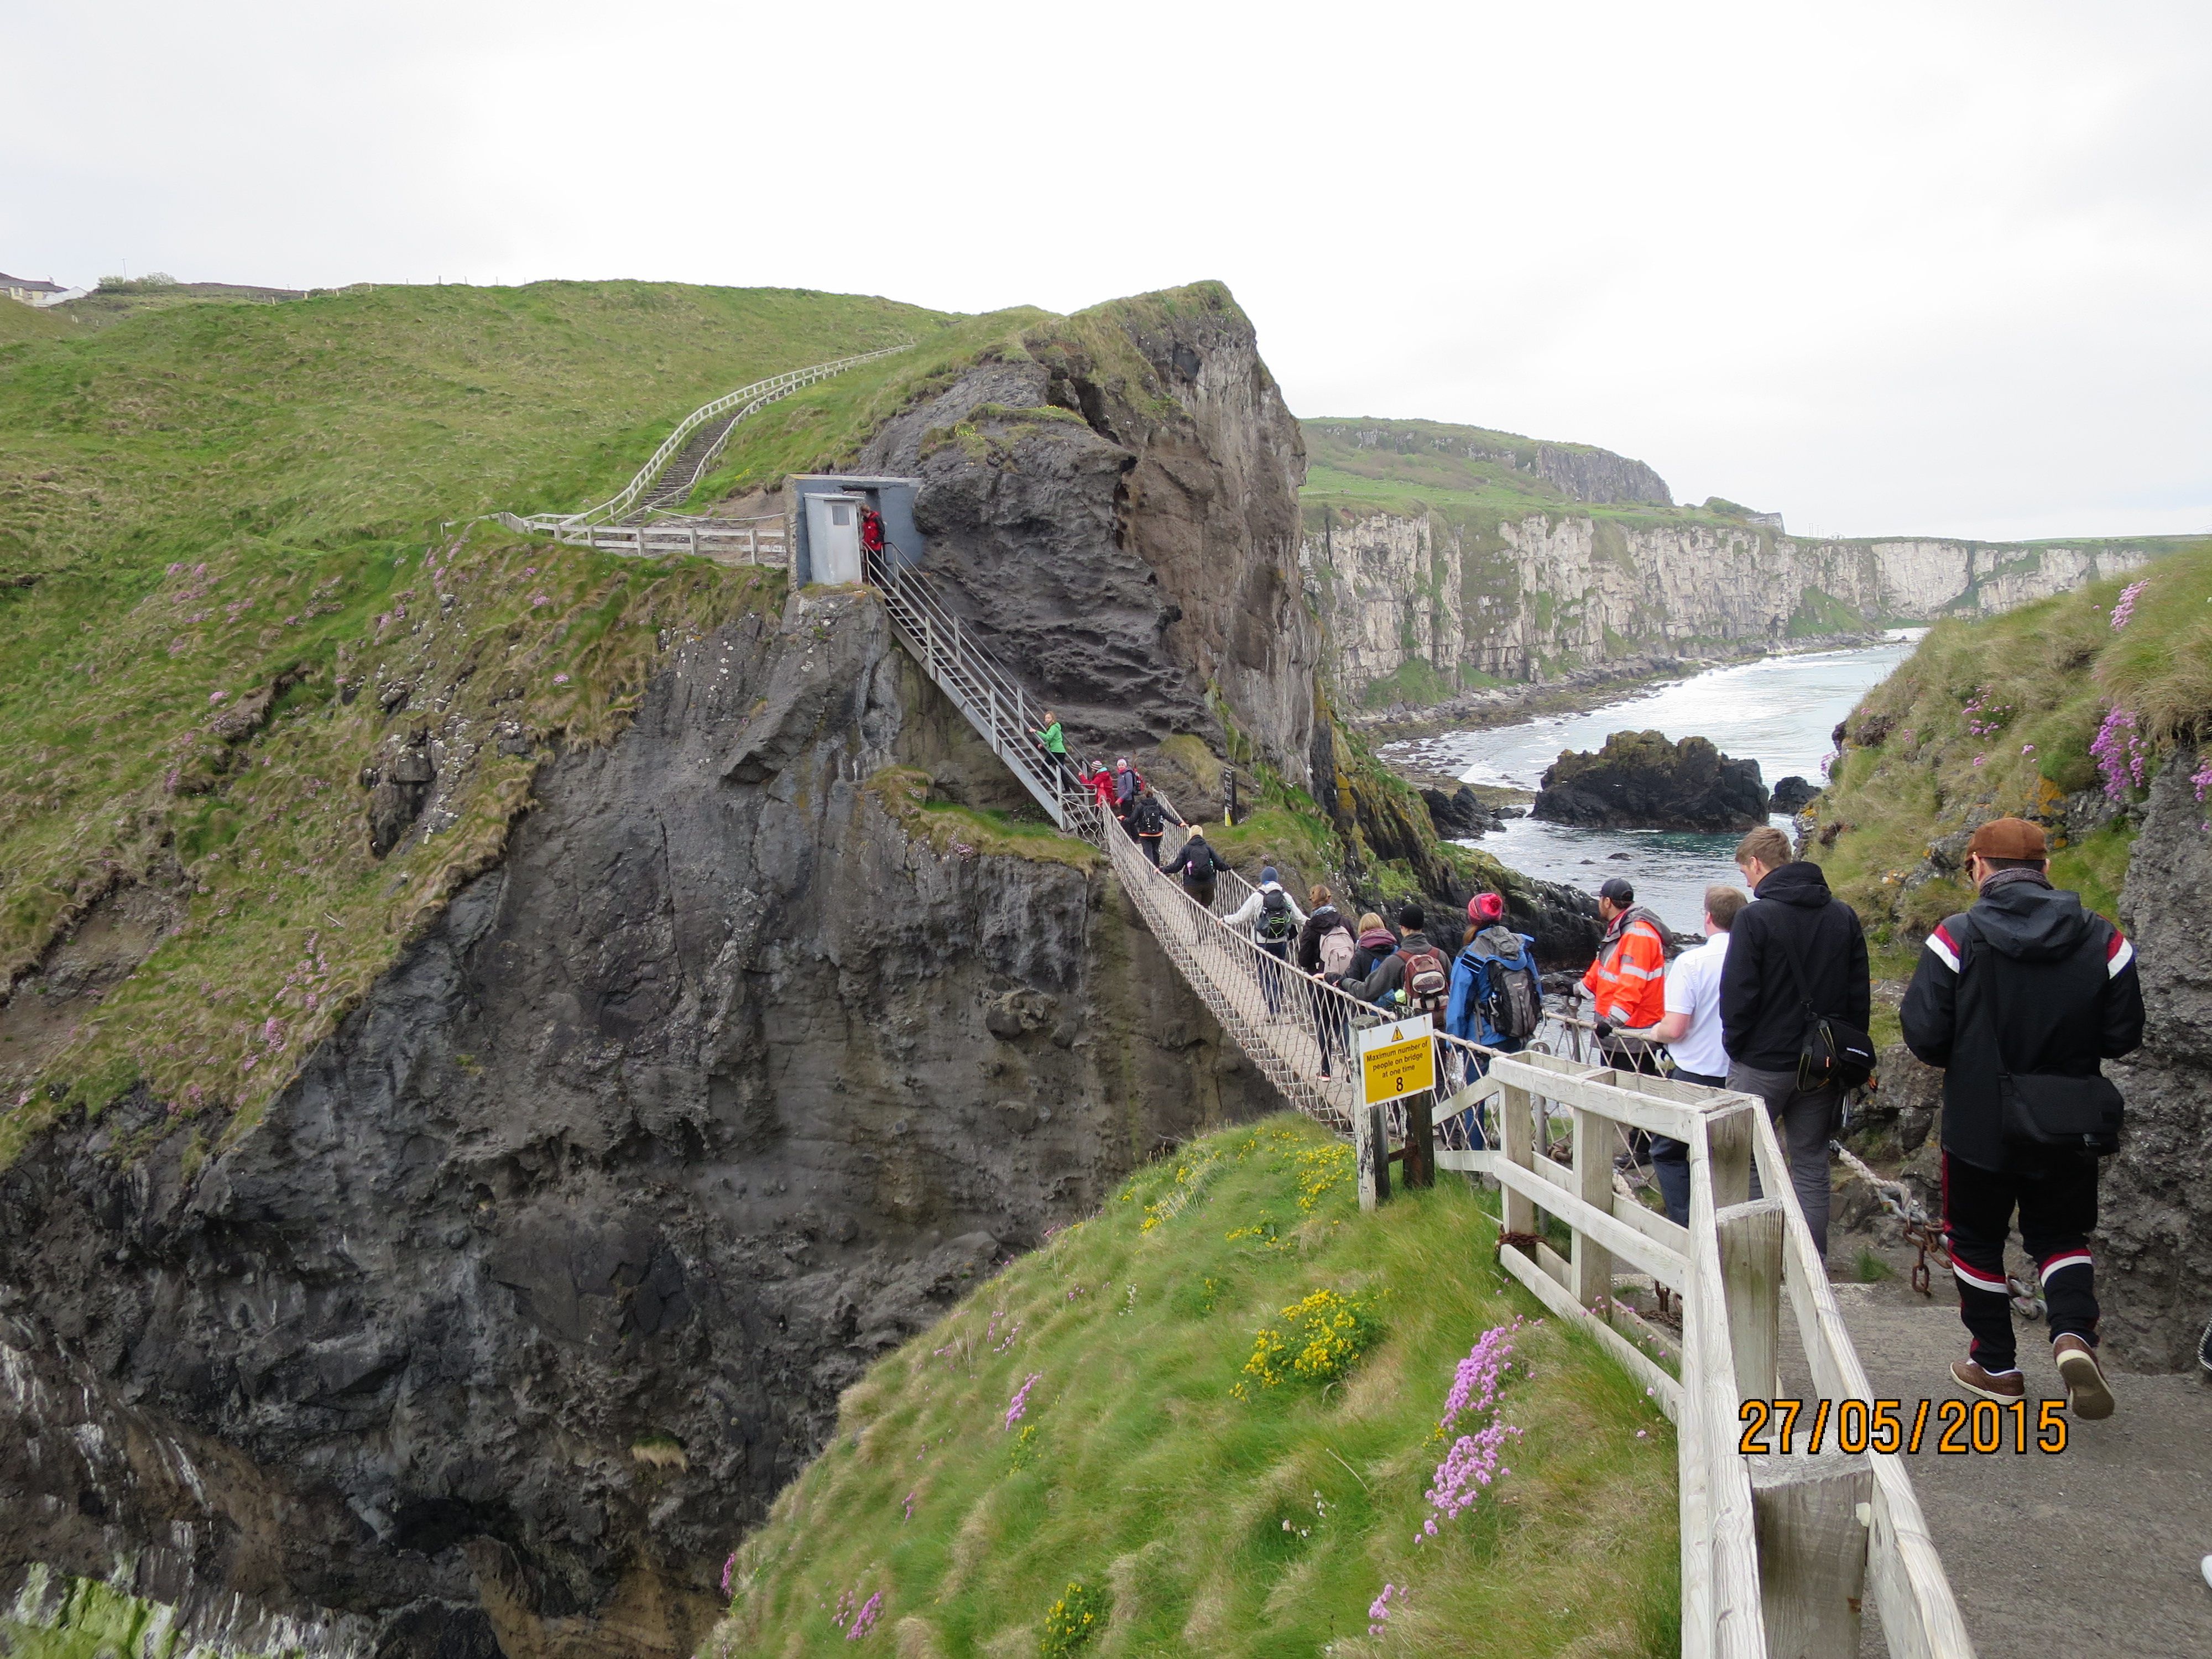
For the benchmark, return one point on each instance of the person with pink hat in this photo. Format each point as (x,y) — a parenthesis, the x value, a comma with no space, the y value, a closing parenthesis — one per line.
(1496,997)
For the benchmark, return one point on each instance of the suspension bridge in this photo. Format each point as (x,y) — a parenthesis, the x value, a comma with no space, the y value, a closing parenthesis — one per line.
(1812,1546)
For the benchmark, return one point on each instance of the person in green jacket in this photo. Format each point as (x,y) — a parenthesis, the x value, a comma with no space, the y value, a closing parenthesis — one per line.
(1054,742)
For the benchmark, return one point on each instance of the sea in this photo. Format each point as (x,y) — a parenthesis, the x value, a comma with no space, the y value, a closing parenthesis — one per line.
(1780,711)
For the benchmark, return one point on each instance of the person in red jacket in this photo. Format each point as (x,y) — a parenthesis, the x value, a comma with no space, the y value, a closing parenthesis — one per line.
(1628,981)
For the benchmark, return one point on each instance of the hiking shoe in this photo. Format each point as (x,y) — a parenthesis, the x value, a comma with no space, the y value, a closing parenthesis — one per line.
(2087,1394)
(2003,1387)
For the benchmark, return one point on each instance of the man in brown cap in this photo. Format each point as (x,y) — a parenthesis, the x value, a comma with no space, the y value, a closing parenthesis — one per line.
(2020,999)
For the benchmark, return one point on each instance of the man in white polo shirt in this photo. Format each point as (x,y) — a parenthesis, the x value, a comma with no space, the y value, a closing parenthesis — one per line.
(1691,1032)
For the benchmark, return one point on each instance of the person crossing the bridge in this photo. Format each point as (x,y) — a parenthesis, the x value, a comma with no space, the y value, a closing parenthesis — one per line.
(1274,919)
(2019,1000)
(1198,864)
(1148,821)
(1496,996)
(1326,948)
(1128,784)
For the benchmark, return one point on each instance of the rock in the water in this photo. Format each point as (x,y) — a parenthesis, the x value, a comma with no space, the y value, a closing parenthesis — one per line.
(1460,816)
(1639,781)
(1792,794)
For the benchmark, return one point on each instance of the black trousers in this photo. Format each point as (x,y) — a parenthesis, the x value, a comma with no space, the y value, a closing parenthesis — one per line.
(2056,1199)
(1670,1159)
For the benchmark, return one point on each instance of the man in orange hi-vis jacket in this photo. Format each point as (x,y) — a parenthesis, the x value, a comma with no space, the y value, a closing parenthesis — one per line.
(1629,978)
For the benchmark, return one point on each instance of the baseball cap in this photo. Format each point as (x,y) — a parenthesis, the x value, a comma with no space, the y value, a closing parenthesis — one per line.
(1618,891)
(1486,907)
(2010,838)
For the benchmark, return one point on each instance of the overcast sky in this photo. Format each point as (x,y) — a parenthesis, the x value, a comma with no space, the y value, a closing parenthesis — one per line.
(1933,267)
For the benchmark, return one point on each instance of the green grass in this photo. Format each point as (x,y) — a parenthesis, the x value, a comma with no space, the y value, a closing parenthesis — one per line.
(1201,1510)
(213,524)
(2038,681)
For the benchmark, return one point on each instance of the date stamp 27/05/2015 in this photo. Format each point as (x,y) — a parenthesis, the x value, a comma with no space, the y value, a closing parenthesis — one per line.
(1962,1427)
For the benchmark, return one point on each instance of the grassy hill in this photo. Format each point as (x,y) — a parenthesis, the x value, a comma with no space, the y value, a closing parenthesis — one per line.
(224,591)
(1093,1432)
(2003,715)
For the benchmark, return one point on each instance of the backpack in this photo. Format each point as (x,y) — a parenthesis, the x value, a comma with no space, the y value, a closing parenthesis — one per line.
(1427,984)
(1509,995)
(1147,819)
(1336,948)
(1275,923)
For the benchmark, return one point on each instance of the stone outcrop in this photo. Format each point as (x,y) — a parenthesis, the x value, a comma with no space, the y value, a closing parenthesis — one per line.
(2154,1264)
(1460,816)
(1639,781)
(1117,512)
(1792,795)
(496,1330)
(1539,596)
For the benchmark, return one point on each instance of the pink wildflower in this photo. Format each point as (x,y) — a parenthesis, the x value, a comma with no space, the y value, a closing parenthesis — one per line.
(1020,1402)
(536,599)
(729,1571)
(217,696)
(560,679)
(2027,748)
(864,1620)
(2126,608)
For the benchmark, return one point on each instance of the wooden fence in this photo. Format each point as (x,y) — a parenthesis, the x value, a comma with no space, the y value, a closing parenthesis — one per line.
(1779,1548)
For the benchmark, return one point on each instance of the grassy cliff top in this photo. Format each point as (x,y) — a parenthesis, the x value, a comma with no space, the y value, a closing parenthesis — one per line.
(2002,715)
(1093,1431)
(224,593)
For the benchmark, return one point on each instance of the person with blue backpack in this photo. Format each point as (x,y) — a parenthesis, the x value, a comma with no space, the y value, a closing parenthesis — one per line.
(1496,997)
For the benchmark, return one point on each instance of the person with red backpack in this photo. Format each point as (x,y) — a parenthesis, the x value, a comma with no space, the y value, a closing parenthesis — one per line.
(1416,967)
(1326,947)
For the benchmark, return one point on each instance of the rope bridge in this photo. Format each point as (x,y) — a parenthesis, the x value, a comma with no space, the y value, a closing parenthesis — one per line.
(1781,1548)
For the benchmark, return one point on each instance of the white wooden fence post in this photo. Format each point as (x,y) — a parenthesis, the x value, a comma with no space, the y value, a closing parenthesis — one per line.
(1593,1152)
(1751,1283)
(1812,1552)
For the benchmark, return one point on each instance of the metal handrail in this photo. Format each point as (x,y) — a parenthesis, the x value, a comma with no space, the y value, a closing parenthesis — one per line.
(996,703)
(752,398)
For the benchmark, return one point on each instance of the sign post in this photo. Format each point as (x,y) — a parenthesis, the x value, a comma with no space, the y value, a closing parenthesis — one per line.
(1397,1057)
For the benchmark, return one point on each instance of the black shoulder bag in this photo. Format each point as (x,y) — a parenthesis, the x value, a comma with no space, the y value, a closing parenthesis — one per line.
(2047,1108)
(1831,1051)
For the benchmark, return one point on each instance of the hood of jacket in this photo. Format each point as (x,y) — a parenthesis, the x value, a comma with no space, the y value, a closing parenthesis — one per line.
(1326,917)
(1499,939)
(1378,939)
(2030,921)
(1802,884)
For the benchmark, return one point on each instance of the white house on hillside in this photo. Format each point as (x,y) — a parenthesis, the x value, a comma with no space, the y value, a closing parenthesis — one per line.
(32,292)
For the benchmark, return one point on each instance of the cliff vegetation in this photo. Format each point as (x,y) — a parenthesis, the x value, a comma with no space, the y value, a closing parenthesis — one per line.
(1208,1420)
(2063,710)
(259,715)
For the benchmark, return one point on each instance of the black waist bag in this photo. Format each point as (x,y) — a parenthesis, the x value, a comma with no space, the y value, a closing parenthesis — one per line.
(2048,1109)
(1829,1051)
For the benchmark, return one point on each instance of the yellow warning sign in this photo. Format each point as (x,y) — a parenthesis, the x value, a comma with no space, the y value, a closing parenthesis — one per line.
(1397,1059)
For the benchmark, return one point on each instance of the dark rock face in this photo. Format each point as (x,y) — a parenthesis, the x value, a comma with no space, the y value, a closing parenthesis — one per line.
(2155,1265)
(1461,816)
(1639,781)
(1122,521)
(518,1306)
(1792,795)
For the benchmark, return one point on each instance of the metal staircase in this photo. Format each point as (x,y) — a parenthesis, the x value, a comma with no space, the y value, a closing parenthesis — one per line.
(993,700)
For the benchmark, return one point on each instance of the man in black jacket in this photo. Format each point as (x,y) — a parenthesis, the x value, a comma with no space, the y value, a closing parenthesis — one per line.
(2024,983)
(1198,864)
(1796,943)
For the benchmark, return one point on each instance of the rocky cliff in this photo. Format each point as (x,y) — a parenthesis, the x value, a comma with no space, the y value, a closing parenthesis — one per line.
(2156,1222)
(1418,606)
(514,1310)
(1640,781)
(1116,511)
